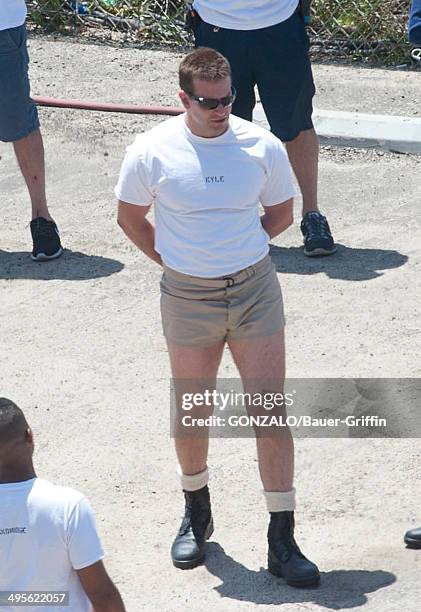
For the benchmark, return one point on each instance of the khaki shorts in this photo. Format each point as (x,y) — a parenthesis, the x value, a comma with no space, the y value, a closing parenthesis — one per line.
(204,311)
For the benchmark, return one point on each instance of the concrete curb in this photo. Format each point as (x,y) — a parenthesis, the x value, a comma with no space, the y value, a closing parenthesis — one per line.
(389,132)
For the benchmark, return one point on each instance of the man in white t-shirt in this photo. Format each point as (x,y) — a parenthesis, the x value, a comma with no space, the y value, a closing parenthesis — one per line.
(206,172)
(48,537)
(267,45)
(19,124)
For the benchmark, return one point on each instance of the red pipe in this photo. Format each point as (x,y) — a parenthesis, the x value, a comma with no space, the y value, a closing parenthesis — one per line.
(108,106)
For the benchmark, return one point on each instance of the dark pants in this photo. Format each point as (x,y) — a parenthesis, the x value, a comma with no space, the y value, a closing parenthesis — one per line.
(18,114)
(277,60)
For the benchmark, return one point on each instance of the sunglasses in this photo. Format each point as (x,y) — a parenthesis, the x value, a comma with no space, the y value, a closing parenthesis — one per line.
(213,103)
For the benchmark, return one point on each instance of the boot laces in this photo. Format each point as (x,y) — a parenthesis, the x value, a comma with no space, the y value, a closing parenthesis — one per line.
(285,535)
(193,519)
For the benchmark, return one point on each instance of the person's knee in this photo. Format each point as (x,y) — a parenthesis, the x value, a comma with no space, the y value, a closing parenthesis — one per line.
(304,137)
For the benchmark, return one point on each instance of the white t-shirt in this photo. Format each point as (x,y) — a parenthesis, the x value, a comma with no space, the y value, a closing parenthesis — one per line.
(206,193)
(245,14)
(12,13)
(46,533)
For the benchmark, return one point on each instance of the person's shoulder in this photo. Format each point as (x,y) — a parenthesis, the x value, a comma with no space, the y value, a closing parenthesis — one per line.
(48,493)
(268,146)
(159,134)
(246,129)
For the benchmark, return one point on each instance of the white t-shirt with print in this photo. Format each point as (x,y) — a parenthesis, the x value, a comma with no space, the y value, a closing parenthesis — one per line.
(46,533)
(12,13)
(206,193)
(245,14)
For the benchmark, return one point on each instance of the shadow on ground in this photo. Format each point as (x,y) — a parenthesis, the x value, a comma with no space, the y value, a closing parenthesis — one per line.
(341,589)
(72,265)
(346,264)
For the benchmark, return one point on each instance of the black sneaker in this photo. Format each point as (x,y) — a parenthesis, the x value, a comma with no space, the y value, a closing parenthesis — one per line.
(46,240)
(317,237)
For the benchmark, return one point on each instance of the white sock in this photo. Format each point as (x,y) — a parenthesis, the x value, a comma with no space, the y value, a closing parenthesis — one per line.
(193,482)
(280,501)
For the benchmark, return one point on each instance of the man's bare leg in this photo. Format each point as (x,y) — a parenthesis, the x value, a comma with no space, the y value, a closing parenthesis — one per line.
(264,359)
(194,371)
(30,155)
(193,364)
(303,153)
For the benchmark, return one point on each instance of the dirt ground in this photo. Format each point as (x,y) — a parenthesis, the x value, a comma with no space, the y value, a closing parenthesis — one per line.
(83,354)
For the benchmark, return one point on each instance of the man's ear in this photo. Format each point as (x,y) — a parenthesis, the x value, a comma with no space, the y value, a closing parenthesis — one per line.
(29,435)
(185,100)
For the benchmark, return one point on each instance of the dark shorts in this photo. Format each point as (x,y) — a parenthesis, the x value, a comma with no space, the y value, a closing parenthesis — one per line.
(277,60)
(18,114)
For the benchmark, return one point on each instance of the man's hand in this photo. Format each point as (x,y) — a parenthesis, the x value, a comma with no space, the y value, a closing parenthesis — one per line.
(100,589)
(132,220)
(277,218)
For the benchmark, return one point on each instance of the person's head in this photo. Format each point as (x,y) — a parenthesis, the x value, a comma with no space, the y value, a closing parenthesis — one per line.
(16,439)
(206,91)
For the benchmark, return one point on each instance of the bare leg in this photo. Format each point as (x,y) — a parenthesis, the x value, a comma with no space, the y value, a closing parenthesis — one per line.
(30,155)
(194,370)
(303,153)
(264,359)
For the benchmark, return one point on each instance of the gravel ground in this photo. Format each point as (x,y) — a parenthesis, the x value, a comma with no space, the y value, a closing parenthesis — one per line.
(82,351)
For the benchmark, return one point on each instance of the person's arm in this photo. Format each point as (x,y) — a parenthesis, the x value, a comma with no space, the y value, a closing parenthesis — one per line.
(85,556)
(132,220)
(277,218)
(100,589)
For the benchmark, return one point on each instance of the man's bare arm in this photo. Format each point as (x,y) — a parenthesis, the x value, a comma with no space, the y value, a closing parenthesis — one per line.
(132,220)
(278,218)
(100,589)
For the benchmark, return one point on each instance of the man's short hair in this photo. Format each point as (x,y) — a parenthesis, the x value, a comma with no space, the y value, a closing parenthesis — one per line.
(13,423)
(204,64)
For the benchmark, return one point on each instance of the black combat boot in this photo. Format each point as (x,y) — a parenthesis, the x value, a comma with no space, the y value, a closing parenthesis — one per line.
(284,557)
(188,549)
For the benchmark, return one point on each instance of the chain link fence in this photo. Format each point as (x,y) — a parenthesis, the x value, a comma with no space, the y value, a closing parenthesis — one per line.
(370,31)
